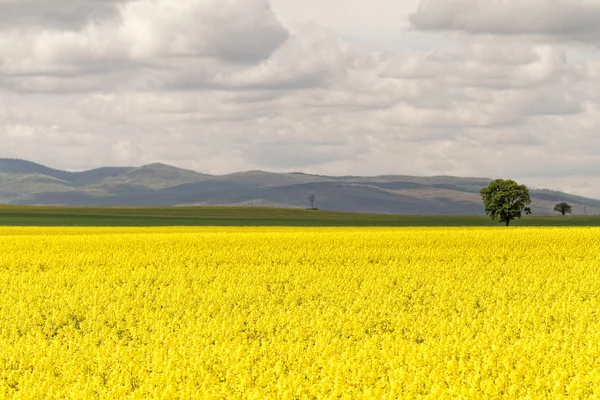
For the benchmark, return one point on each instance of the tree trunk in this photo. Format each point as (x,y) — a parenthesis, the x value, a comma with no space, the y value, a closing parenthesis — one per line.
(507,222)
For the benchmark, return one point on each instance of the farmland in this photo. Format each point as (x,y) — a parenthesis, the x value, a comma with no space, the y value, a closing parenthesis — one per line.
(250,216)
(275,312)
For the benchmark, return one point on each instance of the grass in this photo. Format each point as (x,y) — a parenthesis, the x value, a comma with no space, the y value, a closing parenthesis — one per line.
(249,216)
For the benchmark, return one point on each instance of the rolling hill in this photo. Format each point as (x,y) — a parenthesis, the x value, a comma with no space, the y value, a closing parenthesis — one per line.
(27,183)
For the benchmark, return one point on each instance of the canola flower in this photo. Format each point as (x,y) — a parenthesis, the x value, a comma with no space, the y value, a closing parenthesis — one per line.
(298,313)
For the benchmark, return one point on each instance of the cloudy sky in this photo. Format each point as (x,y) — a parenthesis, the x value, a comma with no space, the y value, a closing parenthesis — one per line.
(494,88)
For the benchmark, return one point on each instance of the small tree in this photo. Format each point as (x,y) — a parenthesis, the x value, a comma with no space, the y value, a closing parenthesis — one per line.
(563,208)
(505,200)
(312,198)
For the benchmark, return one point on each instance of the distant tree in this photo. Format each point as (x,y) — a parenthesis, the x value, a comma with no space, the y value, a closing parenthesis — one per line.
(563,208)
(505,200)
(311,199)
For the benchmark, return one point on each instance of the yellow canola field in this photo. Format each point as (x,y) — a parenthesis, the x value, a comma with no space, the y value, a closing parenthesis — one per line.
(285,313)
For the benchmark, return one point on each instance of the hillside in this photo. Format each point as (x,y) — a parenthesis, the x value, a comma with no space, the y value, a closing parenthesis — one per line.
(26,183)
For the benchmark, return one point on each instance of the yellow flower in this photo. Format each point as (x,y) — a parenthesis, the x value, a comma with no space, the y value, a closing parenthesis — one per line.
(276,313)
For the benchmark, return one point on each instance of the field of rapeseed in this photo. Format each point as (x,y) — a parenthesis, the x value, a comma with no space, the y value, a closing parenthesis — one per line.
(288,313)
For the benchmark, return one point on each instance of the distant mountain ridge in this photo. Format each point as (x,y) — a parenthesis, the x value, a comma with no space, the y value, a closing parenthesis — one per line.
(28,183)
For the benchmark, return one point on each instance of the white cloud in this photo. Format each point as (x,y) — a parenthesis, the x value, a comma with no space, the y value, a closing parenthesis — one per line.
(354,18)
(144,33)
(221,86)
(125,151)
(236,30)
(306,59)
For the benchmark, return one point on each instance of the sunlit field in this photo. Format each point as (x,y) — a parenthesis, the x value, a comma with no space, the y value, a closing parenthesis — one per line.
(299,313)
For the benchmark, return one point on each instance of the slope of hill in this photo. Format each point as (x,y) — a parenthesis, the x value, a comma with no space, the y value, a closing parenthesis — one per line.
(155,176)
(23,167)
(26,183)
(97,175)
(17,186)
(268,179)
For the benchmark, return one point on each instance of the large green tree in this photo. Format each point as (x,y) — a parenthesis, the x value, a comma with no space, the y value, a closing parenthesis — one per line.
(563,208)
(505,200)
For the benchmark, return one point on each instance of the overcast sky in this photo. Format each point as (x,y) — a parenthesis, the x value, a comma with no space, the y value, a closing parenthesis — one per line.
(492,88)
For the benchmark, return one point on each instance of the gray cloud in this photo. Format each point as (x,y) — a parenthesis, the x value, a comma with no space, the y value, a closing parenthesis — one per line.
(56,14)
(561,19)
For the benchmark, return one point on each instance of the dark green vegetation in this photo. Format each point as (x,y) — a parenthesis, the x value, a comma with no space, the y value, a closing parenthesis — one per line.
(563,208)
(159,185)
(505,200)
(247,216)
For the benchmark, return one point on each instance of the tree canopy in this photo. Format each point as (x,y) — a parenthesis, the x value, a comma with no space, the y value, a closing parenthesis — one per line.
(563,208)
(505,200)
